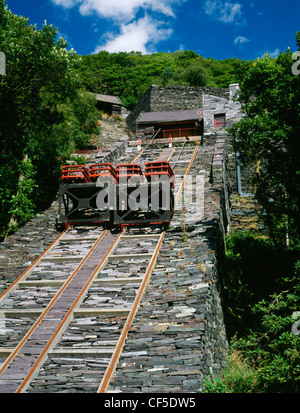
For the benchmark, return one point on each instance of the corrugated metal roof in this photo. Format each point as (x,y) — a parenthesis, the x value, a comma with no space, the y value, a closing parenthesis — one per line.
(171,116)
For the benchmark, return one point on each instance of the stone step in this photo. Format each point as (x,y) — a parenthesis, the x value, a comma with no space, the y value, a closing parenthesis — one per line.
(94,312)
(42,283)
(5,352)
(140,236)
(6,312)
(65,352)
(119,280)
(63,258)
(130,256)
(76,239)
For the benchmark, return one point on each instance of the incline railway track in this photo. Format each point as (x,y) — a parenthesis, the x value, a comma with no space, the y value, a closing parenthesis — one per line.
(71,310)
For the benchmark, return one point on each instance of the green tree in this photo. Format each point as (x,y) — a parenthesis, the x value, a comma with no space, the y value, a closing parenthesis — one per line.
(272,348)
(129,75)
(268,138)
(261,302)
(196,75)
(40,80)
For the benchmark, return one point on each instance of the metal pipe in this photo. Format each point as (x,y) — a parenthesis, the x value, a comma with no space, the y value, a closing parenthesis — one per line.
(238,174)
(238,171)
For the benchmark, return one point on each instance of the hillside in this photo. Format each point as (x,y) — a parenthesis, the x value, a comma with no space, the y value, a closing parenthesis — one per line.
(129,75)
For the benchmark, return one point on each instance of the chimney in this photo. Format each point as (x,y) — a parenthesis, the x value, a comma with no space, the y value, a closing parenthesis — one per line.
(233,89)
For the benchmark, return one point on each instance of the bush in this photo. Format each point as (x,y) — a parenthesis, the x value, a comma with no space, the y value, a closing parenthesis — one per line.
(239,377)
(254,269)
(261,294)
(273,348)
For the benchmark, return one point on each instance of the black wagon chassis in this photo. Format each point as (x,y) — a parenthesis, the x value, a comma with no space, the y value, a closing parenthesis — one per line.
(116,206)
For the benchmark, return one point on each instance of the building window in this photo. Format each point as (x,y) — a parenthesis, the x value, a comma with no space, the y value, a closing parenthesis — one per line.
(220,121)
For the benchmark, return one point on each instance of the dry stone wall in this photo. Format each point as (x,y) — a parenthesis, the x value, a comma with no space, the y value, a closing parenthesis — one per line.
(175,98)
(27,244)
(171,98)
(112,131)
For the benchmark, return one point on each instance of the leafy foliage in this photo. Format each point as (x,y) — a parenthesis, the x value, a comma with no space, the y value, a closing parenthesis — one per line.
(255,269)
(261,295)
(272,347)
(238,377)
(262,272)
(43,116)
(268,138)
(129,75)
(246,262)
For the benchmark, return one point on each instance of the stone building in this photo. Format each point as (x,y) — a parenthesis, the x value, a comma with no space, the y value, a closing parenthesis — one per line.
(178,123)
(220,111)
(110,105)
(205,108)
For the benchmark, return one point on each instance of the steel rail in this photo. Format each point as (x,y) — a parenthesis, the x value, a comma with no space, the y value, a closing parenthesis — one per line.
(152,139)
(117,354)
(175,163)
(137,156)
(186,175)
(51,343)
(168,157)
(144,148)
(47,309)
(161,154)
(66,319)
(8,291)
(114,360)
(4,295)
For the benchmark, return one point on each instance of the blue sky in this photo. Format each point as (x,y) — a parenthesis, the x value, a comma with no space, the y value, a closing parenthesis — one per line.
(219,29)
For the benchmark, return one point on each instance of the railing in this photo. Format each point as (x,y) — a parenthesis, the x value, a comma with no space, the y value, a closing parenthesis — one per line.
(166,133)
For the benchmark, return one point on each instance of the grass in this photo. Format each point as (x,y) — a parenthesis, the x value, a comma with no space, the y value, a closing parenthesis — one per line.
(238,377)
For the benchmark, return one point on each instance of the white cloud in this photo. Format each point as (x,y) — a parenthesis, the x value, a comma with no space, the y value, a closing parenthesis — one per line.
(240,40)
(137,36)
(124,10)
(134,35)
(226,12)
(67,4)
(275,53)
